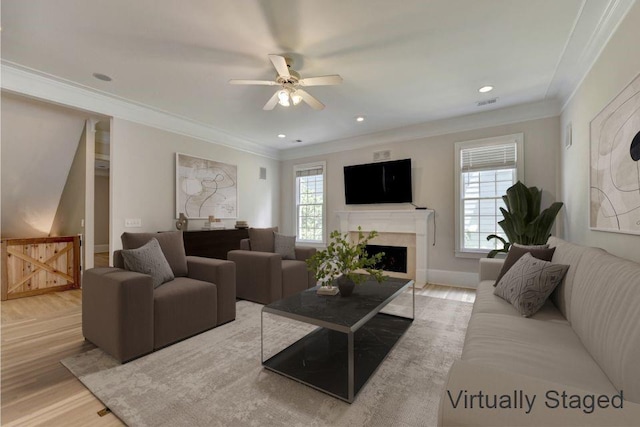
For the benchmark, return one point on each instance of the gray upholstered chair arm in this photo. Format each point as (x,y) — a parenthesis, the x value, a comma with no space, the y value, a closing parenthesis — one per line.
(304,252)
(258,275)
(490,268)
(223,274)
(117,311)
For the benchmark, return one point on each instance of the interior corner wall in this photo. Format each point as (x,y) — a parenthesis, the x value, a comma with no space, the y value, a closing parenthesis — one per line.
(614,69)
(102,211)
(143,179)
(70,215)
(433,185)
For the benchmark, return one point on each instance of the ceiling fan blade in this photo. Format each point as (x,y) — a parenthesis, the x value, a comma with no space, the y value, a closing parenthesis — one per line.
(271,103)
(306,97)
(281,65)
(333,79)
(252,82)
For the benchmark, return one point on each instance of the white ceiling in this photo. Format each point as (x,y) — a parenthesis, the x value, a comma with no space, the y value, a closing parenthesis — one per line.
(403,62)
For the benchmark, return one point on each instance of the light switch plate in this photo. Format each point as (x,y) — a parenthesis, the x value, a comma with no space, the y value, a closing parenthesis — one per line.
(133,222)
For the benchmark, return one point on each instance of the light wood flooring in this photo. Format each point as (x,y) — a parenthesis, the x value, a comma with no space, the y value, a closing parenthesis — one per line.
(39,331)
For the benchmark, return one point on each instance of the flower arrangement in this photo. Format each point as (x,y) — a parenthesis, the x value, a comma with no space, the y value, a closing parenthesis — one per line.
(342,258)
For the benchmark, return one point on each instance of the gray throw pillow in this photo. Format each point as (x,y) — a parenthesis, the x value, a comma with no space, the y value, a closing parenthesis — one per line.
(285,245)
(528,284)
(149,259)
(515,252)
(171,243)
(262,239)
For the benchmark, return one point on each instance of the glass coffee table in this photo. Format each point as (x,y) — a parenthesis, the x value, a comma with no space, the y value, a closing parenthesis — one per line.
(351,340)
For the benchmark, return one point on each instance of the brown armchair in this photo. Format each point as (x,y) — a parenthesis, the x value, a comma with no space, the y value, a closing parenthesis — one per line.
(123,314)
(262,275)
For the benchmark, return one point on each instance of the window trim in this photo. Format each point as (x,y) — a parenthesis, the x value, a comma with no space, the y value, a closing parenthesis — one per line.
(518,138)
(306,166)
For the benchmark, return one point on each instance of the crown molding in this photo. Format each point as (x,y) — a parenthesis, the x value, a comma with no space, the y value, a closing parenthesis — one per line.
(35,84)
(498,117)
(594,26)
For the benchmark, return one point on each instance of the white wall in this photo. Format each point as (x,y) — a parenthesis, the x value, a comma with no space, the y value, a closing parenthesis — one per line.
(617,66)
(39,141)
(433,184)
(143,179)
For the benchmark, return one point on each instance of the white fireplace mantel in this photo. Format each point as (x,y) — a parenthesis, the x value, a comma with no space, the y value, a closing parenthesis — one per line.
(394,221)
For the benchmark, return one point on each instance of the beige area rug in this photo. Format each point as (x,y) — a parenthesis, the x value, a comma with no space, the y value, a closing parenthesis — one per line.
(216,378)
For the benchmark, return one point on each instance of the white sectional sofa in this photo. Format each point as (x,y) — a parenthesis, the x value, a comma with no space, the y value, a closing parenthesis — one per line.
(567,365)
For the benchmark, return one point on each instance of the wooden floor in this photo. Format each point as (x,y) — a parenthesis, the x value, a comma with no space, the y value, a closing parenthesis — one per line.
(39,331)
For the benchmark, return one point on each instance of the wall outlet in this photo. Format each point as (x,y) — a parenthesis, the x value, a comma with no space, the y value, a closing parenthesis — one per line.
(132,222)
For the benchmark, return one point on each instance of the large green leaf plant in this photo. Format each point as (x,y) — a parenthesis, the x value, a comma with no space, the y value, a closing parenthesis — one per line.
(523,222)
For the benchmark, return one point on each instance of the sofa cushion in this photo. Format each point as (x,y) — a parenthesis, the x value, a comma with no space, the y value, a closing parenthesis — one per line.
(182,308)
(172,245)
(605,313)
(285,245)
(569,254)
(516,252)
(148,259)
(528,284)
(262,239)
(541,349)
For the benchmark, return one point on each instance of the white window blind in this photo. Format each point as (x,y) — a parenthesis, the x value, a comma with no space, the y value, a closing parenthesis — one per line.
(490,157)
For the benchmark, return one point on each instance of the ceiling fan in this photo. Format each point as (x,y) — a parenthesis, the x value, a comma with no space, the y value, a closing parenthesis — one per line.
(290,82)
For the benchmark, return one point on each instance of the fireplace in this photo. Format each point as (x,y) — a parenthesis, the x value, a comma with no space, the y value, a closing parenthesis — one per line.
(394,258)
(405,228)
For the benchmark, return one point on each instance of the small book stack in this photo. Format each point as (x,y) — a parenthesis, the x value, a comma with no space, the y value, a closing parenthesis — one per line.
(327,290)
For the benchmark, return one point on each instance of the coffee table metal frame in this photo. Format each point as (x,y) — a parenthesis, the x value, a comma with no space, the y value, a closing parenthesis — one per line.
(339,328)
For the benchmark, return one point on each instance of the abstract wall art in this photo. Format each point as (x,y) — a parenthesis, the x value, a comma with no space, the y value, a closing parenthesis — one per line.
(615,164)
(205,187)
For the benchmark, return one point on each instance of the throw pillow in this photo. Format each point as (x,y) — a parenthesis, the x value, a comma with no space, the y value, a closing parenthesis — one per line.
(171,243)
(528,284)
(516,252)
(149,259)
(518,245)
(262,239)
(285,245)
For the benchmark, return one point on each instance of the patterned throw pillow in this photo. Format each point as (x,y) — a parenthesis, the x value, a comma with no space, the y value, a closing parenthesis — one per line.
(528,284)
(285,246)
(149,259)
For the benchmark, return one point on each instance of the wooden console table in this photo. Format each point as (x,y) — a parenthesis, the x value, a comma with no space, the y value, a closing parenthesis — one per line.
(213,243)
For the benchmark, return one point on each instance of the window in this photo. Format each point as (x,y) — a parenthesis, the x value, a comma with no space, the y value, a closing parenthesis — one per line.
(310,202)
(485,169)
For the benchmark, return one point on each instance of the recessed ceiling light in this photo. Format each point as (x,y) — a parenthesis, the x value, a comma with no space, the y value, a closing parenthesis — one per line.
(102,77)
(360,119)
(282,135)
(485,89)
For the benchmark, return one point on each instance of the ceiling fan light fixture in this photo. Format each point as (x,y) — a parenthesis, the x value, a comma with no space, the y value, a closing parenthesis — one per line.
(283,98)
(296,98)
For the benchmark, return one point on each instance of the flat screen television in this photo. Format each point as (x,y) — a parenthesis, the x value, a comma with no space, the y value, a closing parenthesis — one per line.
(384,182)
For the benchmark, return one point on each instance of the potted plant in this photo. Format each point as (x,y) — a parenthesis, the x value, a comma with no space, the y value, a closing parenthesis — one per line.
(523,222)
(342,258)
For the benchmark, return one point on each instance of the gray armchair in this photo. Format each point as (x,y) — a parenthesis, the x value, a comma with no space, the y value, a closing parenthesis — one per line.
(262,275)
(124,315)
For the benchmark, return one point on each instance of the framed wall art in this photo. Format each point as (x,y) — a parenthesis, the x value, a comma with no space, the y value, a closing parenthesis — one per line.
(205,187)
(615,168)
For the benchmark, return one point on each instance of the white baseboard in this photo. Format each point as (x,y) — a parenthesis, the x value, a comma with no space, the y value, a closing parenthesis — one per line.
(101,248)
(453,278)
